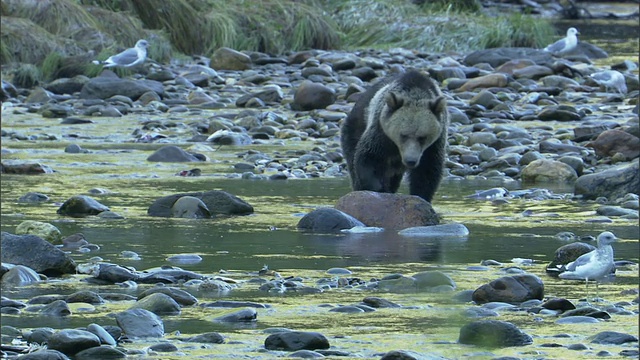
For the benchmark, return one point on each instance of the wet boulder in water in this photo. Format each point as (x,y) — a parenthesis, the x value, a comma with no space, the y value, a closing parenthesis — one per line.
(172,153)
(217,201)
(100,352)
(81,206)
(296,340)
(510,289)
(159,304)
(72,341)
(493,333)
(327,220)
(42,256)
(180,296)
(56,308)
(140,323)
(19,275)
(401,211)
(114,273)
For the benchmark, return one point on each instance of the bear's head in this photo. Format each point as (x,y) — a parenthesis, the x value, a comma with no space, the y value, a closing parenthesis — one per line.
(413,123)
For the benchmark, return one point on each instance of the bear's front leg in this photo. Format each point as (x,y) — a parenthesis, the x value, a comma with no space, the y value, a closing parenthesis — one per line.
(369,174)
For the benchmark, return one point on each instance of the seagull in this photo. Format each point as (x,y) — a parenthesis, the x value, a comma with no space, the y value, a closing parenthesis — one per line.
(610,79)
(594,265)
(564,45)
(128,58)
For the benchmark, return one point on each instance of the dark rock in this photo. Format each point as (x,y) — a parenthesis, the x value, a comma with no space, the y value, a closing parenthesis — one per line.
(612,183)
(56,308)
(611,142)
(235,304)
(218,202)
(66,85)
(140,323)
(171,153)
(327,220)
(310,96)
(296,340)
(114,273)
(25,168)
(558,113)
(81,206)
(493,333)
(207,338)
(159,304)
(377,302)
(39,335)
(408,355)
(42,257)
(180,296)
(225,58)
(244,315)
(44,354)
(104,87)
(498,56)
(102,352)
(163,347)
(33,198)
(510,289)
(72,341)
(401,211)
(558,304)
(85,296)
(613,338)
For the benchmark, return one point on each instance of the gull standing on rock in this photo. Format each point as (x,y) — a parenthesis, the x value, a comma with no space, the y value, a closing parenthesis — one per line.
(610,79)
(594,265)
(128,58)
(564,45)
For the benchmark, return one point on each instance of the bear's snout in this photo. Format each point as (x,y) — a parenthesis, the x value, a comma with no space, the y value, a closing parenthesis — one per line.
(410,163)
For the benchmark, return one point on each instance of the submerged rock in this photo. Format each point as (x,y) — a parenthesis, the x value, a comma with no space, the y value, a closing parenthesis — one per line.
(296,340)
(81,206)
(42,257)
(327,220)
(217,201)
(493,333)
(510,289)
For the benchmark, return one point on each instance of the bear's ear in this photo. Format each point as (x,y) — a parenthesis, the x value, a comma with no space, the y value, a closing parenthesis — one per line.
(438,105)
(394,101)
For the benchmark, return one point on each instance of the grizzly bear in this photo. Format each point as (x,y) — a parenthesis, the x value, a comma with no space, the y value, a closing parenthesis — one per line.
(398,125)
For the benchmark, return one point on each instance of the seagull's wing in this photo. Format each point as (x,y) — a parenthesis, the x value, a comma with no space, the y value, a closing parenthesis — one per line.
(125,58)
(584,259)
(603,76)
(557,46)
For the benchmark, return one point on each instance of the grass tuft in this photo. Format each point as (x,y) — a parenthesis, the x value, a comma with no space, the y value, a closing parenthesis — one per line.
(59,17)
(27,76)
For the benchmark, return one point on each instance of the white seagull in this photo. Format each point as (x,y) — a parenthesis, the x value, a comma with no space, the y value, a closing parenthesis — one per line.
(564,45)
(128,58)
(610,79)
(594,265)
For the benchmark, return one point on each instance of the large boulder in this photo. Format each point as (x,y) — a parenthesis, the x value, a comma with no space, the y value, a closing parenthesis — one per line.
(398,211)
(217,201)
(548,171)
(104,87)
(510,289)
(36,253)
(327,220)
(612,183)
(493,333)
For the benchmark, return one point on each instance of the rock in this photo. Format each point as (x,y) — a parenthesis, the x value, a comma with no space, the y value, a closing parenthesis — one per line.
(19,275)
(42,230)
(67,85)
(171,153)
(534,72)
(498,56)
(25,168)
(42,256)
(436,231)
(558,113)
(558,304)
(104,87)
(7,91)
(244,315)
(85,296)
(189,207)
(33,198)
(180,296)
(551,171)
(104,336)
(296,340)
(493,333)
(217,201)
(100,352)
(225,58)
(163,347)
(81,206)
(376,302)
(327,220)
(311,96)
(39,96)
(140,323)
(230,138)
(159,304)
(613,338)
(401,211)
(486,81)
(44,354)
(114,273)
(611,142)
(207,338)
(510,289)
(612,183)
(56,308)
(72,341)
(408,355)
(427,280)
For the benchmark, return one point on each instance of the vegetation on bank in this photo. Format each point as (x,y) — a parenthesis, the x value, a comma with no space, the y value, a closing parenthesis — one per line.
(32,30)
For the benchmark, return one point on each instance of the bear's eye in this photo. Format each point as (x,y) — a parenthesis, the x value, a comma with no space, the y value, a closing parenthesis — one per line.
(421,139)
(404,138)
